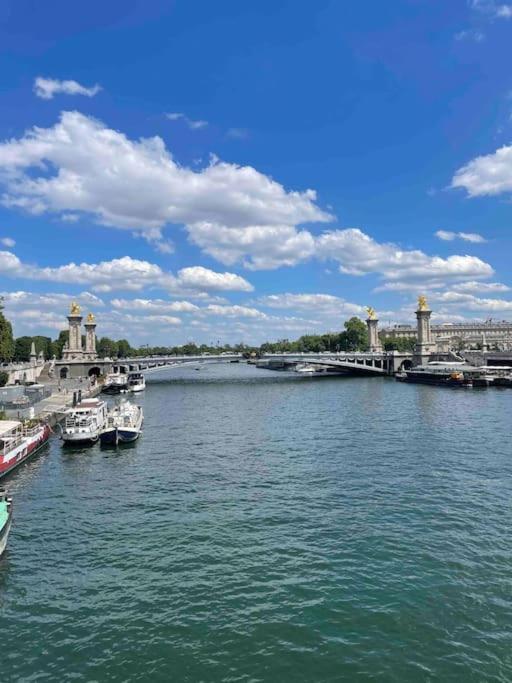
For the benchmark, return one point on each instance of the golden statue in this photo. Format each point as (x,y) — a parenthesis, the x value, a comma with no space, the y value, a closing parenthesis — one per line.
(372,315)
(90,318)
(75,308)
(422,303)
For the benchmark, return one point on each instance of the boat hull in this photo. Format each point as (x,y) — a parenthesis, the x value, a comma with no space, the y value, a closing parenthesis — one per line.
(436,381)
(137,387)
(24,451)
(4,535)
(80,438)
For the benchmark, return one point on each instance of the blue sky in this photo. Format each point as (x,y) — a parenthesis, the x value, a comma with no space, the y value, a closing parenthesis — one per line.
(233,171)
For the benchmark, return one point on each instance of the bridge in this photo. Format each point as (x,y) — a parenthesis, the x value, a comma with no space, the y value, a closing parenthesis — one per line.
(370,363)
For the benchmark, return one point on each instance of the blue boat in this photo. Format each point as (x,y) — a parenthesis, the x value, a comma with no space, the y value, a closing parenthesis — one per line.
(123,424)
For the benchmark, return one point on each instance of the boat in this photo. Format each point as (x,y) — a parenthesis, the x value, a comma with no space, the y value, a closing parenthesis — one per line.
(136,382)
(5,519)
(503,381)
(115,383)
(19,441)
(439,373)
(123,424)
(84,421)
(306,369)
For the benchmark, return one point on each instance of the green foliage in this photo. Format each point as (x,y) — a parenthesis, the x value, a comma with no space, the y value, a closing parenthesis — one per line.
(4,378)
(22,349)
(399,344)
(6,338)
(355,337)
(107,348)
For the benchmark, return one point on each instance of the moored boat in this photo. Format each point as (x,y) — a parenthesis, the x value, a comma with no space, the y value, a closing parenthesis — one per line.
(18,442)
(84,422)
(439,373)
(5,519)
(123,424)
(115,383)
(136,382)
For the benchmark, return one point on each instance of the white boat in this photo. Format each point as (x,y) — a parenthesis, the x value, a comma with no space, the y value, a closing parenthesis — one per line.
(306,369)
(84,422)
(5,519)
(115,383)
(123,424)
(136,382)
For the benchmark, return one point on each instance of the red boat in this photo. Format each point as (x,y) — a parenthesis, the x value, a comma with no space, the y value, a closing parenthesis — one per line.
(18,443)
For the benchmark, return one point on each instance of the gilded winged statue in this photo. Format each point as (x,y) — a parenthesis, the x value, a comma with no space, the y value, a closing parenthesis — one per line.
(422,303)
(372,315)
(75,308)
(91,318)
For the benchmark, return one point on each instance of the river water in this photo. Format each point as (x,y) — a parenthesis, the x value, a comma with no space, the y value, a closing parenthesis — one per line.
(269,527)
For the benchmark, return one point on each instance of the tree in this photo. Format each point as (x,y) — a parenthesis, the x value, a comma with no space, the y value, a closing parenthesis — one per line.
(355,336)
(107,348)
(58,344)
(124,350)
(22,348)
(399,344)
(6,338)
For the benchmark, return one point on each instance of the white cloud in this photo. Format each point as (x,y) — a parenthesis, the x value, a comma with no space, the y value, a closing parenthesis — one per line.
(359,254)
(237,133)
(125,273)
(8,242)
(198,277)
(193,125)
(492,9)
(473,286)
(449,236)
(154,305)
(47,88)
(317,303)
(62,302)
(232,212)
(486,175)
(235,311)
(470,34)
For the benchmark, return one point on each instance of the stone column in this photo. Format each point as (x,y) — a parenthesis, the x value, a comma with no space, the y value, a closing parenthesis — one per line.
(425,345)
(374,342)
(74,348)
(90,337)
(33,355)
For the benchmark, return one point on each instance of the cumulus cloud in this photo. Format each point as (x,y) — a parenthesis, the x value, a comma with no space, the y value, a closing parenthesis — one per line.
(235,311)
(8,242)
(125,273)
(47,88)
(449,236)
(490,174)
(154,305)
(80,165)
(359,254)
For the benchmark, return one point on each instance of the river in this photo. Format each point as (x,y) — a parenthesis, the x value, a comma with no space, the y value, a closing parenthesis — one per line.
(269,527)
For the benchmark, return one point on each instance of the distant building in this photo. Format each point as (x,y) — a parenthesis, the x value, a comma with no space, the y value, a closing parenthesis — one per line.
(494,334)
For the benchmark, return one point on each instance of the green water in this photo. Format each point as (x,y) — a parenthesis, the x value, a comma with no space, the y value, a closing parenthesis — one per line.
(269,527)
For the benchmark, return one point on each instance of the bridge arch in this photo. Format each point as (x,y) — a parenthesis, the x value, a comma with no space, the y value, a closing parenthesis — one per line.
(95,371)
(63,373)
